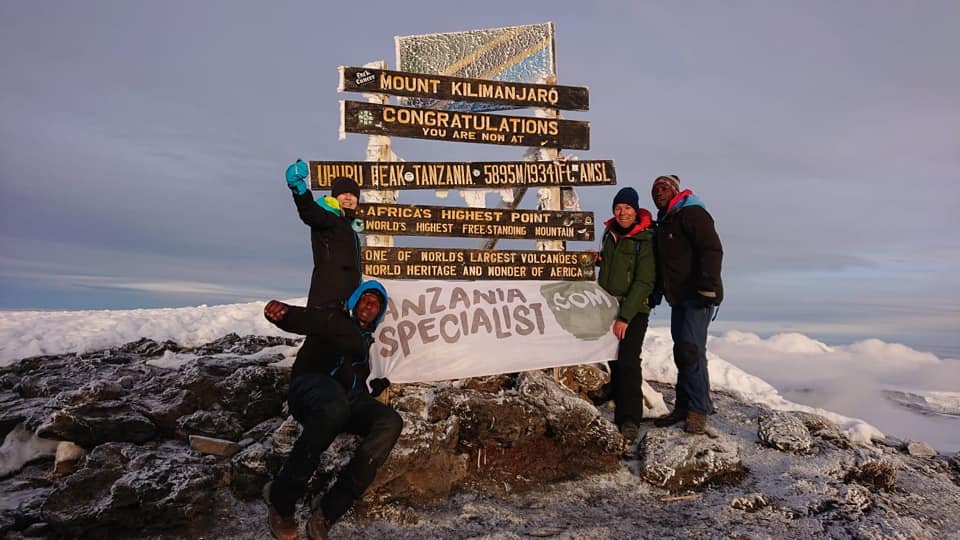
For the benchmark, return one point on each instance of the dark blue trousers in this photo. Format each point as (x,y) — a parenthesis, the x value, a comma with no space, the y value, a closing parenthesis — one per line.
(325,409)
(688,326)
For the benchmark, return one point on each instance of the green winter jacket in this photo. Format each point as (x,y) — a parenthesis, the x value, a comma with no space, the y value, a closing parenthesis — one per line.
(627,269)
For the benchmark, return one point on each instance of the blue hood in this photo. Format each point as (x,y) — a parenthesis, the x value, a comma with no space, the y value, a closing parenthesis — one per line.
(369,285)
(682,200)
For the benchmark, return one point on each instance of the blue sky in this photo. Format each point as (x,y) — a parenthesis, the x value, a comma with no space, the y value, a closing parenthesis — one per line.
(142,145)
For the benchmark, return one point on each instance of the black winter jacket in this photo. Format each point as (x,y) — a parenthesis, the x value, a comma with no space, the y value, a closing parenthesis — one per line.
(318,355)
(689,253)
(336,251)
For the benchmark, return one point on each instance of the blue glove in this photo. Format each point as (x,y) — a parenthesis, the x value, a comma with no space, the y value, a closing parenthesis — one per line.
(296,173)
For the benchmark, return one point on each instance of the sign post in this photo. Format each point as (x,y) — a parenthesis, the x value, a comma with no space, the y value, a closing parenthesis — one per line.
(376,119)
(444,83)
(420,220)
(457,263)
(402,175)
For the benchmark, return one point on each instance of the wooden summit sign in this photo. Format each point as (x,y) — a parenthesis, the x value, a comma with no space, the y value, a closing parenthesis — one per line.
(389,120)
(413,220)
(474,264)
(442,175)
(441,87)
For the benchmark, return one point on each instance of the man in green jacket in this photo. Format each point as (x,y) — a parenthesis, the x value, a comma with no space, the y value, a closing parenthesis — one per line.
(627,272)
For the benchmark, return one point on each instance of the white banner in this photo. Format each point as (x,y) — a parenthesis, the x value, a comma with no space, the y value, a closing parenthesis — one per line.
(442,330)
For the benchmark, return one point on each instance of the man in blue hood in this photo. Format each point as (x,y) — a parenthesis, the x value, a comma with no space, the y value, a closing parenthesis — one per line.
(328,395)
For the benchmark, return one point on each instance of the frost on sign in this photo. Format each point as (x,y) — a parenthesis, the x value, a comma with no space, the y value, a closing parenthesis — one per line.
(515,54)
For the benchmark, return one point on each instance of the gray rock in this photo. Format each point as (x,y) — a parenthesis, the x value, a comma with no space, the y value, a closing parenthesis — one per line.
(218,424)
(876,474)
(22,497)
(165,409)
(785,432)
(148,348)
(920,449)
(96,423)
(856,499)
(123,488)
(675,461)
(750,503)
(253,467)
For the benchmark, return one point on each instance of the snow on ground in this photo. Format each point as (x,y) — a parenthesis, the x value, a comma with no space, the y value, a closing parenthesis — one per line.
(787,371)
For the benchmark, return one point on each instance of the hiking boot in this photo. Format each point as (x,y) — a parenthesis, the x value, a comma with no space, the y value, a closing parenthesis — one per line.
(675,416)
(629,431)
(281,527)
(696,423)
(317,527)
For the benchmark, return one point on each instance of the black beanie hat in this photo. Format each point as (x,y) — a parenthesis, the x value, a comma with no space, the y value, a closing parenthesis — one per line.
(628,195)
(342,184)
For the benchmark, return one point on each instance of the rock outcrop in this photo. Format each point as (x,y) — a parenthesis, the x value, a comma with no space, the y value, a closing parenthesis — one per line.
(143,450)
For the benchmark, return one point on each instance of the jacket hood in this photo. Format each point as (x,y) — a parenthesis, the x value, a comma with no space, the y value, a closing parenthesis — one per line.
(369,285)
(681,200)
(330,204)
(644,219)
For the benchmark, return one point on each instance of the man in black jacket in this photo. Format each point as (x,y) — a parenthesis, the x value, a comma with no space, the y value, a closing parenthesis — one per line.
(328,395)
(689,256)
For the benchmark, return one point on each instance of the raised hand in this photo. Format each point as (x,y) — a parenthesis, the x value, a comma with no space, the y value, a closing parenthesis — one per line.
(275,310)
(296,177)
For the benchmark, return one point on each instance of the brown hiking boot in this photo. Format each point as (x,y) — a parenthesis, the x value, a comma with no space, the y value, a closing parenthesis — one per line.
(317,527)
(675,416)
(281,527)
(696,423)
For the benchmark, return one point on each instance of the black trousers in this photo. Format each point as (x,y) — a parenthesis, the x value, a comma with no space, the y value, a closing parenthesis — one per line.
(626,376)
(325,409)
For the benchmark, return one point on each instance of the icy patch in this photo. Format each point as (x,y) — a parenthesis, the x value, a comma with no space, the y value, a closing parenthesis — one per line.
(172,360)
(21,447)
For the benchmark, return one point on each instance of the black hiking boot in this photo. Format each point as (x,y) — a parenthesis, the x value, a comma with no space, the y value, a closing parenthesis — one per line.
(676,416)
(630,431)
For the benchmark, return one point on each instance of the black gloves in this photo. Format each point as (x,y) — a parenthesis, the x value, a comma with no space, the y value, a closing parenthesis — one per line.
(377,386)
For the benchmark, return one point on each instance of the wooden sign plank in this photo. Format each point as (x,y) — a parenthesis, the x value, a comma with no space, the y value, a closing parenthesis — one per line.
(443,88)
(478,174)
(472,127)
(477,264)
(463,222)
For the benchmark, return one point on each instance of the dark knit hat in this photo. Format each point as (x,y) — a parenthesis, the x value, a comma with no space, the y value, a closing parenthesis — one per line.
(342,184)
(671,179)
(628,195)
